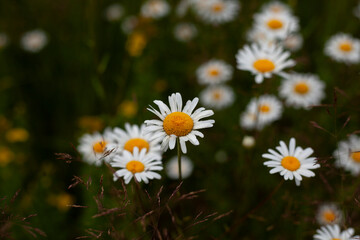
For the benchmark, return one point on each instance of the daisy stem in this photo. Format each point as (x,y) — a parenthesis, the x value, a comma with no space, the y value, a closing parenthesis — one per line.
(179,157)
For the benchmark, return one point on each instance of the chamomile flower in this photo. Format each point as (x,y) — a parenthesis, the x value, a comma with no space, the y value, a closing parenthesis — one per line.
(258,36)
(134,136)
(97,147)
(214,72)
(291,162)
(333,232)
(114,12)
(348,155)
(178,122)
(293,42)
(263,61)
(155,9)
(329,213)
(276,26)
(33,41)
(172,167)
(302,90)
(248,141)
(185,32)
(217,96)
(217,11)
(343,48)
(261,112)
(276,7)
(137,164)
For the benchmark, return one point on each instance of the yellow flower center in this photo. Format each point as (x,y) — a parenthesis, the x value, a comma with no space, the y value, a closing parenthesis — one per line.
(136,142)
(345,46)
(356,156)
(217,95)
(329,216)
(274,24)
(214,72)
(218,7)
(178,123)
(301,88)
(135,166)
(264,108)
(290,163)
(264,65)
(99,147)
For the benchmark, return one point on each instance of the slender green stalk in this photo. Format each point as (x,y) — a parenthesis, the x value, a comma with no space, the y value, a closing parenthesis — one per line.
(179,157)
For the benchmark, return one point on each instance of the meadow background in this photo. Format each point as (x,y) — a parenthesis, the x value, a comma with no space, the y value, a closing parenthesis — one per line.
(88,77)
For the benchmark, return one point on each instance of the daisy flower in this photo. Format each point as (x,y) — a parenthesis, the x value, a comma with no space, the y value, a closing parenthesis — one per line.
(263,61)
(172,167)
(276,7)
(217,11)
(261,112)
(217,97)
(97,147)
(129,24)
(137,164)
(329,213)
(33,41)
(291,162)
(134,136)
(178,122)
(276,26)
(348,155)
(343,48)
(114,12)
(258,36)
(185,32)
(333,232)
(248,141)
(302,90)
(214,72)
(155,9)
(293,42)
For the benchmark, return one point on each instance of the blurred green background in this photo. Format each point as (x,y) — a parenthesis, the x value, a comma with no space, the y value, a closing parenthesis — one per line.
(87,77)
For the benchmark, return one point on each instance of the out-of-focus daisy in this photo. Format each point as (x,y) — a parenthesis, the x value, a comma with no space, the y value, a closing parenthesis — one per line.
(185,32)
(248,141)
(333,232)
(178,122)
(172,167)
(183,7)
(348,155)
(155,9)
(276,26)
(214,72)
(34,41)
(3,40)
(217,96)
(137,164)
(134,136)
(261,112)
(276,7)
(217,11)
(129,24)
(263,61)
(343,48)
(291,162)
(329,213)
(258,36)
(356,10)
(97,147)
(114,12)
(293,42)
(302,90)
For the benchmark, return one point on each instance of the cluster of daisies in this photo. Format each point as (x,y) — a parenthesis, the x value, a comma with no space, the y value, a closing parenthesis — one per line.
(214,73)
(32,41)
(137,150)
(274,28)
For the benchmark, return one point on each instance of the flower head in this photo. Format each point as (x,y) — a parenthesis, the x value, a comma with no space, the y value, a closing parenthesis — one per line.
(214,72)
(217,11)
(155,9)
(185,32)
(333,232)
(217,97)
(263,61)
(343,48)
(114,12)
(291,162)
(328,213)
(178,122)
(33,41)
(137,164)
(348,155)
